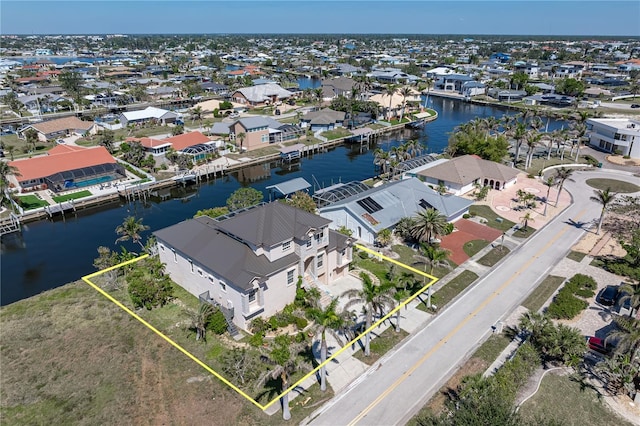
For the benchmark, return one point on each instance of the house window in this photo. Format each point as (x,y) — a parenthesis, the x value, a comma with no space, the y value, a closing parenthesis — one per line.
(320,260)
(199,271)
(161,247)
(309,243)
(210,279)
(290,276)
(286,245)
(252,295)
(264,138)
(175,256)
(223,286)
(190,264)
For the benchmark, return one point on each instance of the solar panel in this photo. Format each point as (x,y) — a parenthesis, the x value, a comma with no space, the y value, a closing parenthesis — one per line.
(369,205)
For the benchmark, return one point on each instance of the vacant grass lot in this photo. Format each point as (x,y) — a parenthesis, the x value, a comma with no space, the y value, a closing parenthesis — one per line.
(613,185)
(336,133)
(69,356)
(542,293)
(566,402)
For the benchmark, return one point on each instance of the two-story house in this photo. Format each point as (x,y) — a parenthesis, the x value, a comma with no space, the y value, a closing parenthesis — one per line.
(249,261)
(620,135)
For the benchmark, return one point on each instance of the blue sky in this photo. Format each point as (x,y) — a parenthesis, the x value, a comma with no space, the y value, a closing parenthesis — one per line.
(585,17)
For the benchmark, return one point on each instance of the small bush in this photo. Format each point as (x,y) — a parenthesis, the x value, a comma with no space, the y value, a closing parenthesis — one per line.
(363,255)
(257,339)
(217,322)
(590,160)
(301,323)
(466,216)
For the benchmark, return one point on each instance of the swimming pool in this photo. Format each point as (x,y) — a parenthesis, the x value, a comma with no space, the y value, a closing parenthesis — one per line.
(94,181)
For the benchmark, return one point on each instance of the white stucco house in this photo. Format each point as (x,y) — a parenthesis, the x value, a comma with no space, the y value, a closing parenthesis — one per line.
(249,261)
(620,135)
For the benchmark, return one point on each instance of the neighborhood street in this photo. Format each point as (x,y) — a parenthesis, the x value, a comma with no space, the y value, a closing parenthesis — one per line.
(394,389)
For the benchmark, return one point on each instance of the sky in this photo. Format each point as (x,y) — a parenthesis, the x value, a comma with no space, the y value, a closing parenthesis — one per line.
(513,17)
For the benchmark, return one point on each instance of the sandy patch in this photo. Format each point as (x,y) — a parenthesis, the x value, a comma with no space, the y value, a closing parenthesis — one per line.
(618,159)
(599,245)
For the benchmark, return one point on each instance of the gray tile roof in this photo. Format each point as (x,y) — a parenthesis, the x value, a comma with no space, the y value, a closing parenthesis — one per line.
(324,116)
(272,224)
(255,122)
(199,240)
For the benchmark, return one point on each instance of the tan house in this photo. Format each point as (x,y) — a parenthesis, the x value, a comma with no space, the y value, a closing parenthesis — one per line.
(60,128)
(462,174)
(261,95)
(248,263)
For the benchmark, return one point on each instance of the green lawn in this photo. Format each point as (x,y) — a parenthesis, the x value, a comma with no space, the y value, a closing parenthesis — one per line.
(494,256)
(567,402)
(576,255)
(524,233)
(542,293)
(380,345)
(336,133)
(492,347)
(450,290)
(493,220)
(614,185)
(72,196)
(471,248)
(29,202)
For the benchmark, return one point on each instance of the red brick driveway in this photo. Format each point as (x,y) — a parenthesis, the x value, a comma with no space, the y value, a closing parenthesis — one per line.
(466,231)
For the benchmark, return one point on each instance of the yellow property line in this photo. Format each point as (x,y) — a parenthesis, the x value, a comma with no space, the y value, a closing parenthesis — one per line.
(446,338)
(87,279)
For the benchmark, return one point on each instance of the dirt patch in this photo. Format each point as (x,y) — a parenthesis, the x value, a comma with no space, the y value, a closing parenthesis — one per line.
(599,245)
(621,161)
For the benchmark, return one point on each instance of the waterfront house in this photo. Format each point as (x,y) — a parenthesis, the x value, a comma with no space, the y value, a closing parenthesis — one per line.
(194,144)
(261,131)
(60,127)
(67,167)
(367,211)
(462,174)
(260,95)
(249,261)
(158,115)
(323,120)
(617,135)
(340,86)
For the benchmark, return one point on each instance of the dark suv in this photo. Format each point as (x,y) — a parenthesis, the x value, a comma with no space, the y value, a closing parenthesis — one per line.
(609,295)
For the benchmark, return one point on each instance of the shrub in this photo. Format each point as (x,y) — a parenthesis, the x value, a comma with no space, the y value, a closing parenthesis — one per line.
(301,323)
(217,322)
(448,228)
(363,255)
(257,339)
(590,160)
(258,326)
(565,305)
(466,216)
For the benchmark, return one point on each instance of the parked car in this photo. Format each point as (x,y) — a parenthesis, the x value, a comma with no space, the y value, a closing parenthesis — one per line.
(599,345)
(635,105)
(609,295)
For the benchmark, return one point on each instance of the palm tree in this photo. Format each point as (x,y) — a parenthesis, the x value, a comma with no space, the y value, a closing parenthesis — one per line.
(130,230)
(526,219)
(390,90)
(630,292)
(318,95)
(550,182)
(562,174)
(532,140)
(519,133)
(399,296)
(381,160)
(327,320)
(435,257)
(199,320)
(375,299)
(241,136)
(5,170)
(428,222)
(196,114)
(604,198)
(405,92)
(429,83)
(284,357)
(627,335)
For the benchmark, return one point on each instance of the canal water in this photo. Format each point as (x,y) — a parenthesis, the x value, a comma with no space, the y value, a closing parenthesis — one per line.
(52,253)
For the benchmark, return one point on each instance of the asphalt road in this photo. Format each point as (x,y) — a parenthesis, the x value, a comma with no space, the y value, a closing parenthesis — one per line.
(397,387)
